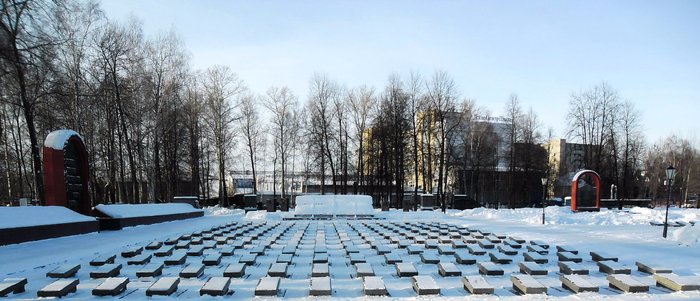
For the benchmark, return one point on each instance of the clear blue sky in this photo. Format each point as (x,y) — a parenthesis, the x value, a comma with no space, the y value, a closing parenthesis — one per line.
(649,51)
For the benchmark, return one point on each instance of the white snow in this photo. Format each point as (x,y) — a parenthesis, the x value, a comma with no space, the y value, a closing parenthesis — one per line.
(17,217)
(137,210)
(57,139)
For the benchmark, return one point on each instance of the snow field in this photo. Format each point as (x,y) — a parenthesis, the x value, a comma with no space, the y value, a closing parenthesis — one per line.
(630,239)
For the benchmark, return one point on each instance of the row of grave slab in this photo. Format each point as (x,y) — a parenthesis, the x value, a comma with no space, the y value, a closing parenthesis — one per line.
(463,243)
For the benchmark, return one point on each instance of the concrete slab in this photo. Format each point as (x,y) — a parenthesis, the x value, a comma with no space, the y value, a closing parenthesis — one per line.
(477,285)
(448,269)
(176,259)
(12,285)
(103,259)
(373,286)
(320,270)
(446,250)
(568,256)
(131,252)
(536,257)
(320,258)
(489,269)
(429,258)
(364,269)
(111,287)
(531,268)
(562,248)
(150,270)
(267,286)
(392,258)
(278,270)
(602,256)
(463,257)
(248,259)
(507,250)
(164,286)
(216,286)
(106,271)
(235,270)
(627,283)
(677,283)
(406,269)
(212,259)
(59,288)
(577,284)
(612,267)
(425,285)
(64,271)
(500,258)
(164,251)
(485,244)
(476,250)
(140,259)
(652,268)
(320,286)
(193,270)
(537,249)
(572,268)
(527,284)
(195,251)
(154,245)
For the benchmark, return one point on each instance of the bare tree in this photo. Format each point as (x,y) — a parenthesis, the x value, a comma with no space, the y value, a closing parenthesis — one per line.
(362,103)
(442,96)
(252,130)
(322,92)
(221,87)
(281,102)
(417,102)
(26,55)
(513,112)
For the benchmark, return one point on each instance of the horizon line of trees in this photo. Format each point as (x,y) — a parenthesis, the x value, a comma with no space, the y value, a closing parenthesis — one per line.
(155,128)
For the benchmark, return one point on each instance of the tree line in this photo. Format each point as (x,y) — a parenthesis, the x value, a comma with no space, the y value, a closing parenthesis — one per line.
(156,128)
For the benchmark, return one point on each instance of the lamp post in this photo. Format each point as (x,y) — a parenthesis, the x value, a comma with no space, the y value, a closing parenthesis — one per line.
(544,195)
(670,174)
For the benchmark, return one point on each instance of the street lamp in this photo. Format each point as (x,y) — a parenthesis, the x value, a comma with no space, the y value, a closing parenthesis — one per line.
(670,174)
(544,195)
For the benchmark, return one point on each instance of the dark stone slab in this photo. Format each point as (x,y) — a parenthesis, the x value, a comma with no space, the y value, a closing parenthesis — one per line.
(111,287)
(212,259)
(164,286)
(140,260)
(106,271)
(216,286)
(131,252)
(103,259)
(59,288)
(267,286)
(235,270)
(500,258)
(448,269)
(154,245)
(12,285)
(477,285)
(572,268)
(164,251)
(193,270)
(150,270)
(489,269)
(64,271)
(425,285)
(176,259)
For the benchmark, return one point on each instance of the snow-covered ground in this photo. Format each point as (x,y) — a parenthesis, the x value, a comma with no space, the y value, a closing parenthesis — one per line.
(626,234)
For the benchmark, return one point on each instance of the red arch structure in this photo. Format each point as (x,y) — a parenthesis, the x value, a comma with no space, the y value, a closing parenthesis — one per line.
(66,171)
(574,190)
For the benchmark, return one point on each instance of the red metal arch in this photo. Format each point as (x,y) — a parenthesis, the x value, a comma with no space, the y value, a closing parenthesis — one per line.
(574,189)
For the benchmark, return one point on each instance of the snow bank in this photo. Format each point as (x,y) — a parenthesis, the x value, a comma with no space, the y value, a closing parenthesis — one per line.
(138,210)
(687,236)
(334,204)
(17,217)
(218,211)
(555,215)
(57,139)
